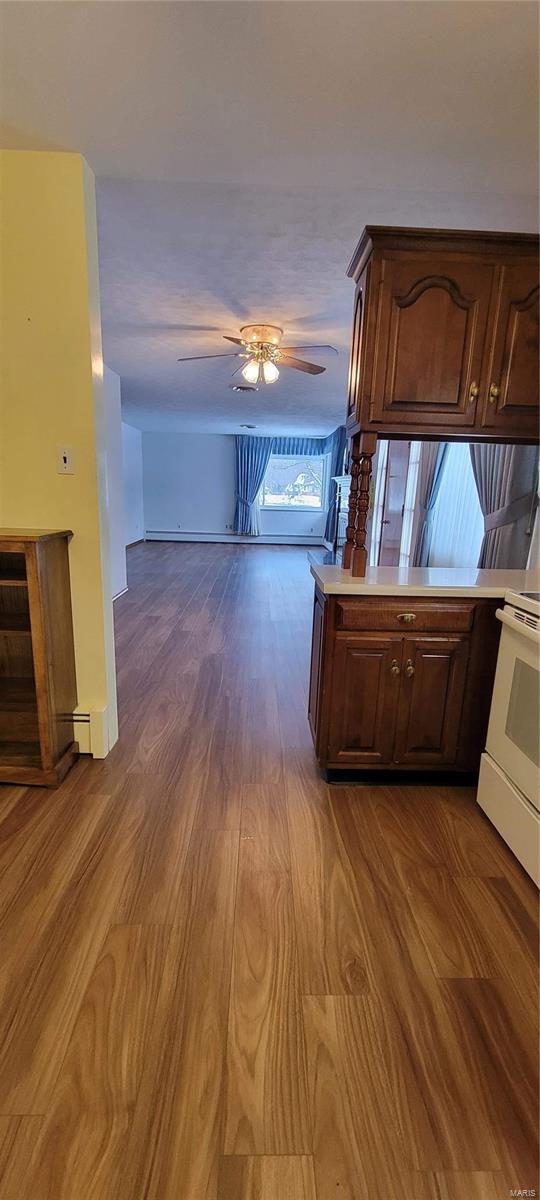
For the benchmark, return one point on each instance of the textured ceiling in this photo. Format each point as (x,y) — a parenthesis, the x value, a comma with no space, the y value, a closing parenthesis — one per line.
(239,150)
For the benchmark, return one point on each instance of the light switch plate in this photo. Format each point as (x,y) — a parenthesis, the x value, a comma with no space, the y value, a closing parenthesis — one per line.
(65,460)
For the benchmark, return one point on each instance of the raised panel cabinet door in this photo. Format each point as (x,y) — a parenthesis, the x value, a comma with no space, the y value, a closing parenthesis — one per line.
(363,701)
(429,343)
(511,392)
(433,681)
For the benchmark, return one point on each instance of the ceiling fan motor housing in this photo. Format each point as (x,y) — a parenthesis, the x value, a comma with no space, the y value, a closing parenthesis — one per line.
(268,335)
(262,342)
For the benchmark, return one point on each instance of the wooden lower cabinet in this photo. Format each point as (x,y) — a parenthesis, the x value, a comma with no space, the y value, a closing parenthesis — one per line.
(432,690)
(364,700)
(316,651)
(386,698)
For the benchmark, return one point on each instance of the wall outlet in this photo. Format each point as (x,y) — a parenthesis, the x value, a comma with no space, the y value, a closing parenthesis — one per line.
(179,525)
(65,463)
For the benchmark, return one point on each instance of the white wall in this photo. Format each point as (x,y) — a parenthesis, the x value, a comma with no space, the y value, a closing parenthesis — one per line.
(132,476)
(115,498)
(189,483)
(292,524)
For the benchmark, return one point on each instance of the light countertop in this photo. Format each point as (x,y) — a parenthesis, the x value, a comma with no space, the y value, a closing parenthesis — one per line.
(418,581)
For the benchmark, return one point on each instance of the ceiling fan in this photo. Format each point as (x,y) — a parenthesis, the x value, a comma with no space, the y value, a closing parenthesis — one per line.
(261,347)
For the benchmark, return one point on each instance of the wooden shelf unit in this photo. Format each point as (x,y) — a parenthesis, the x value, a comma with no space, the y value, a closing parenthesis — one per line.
(38,691)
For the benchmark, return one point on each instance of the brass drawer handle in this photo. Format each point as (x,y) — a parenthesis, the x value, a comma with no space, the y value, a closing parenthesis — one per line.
(407,618)
(409,669)
(474,392)
(494,393)
(395,670)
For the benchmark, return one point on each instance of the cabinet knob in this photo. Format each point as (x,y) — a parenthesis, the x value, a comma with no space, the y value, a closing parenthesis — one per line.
(395,670)
(494,393)
(474,392)
(407,618)
(409,669)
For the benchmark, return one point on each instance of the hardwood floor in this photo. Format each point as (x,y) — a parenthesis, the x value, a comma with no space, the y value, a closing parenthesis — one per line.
(222,979)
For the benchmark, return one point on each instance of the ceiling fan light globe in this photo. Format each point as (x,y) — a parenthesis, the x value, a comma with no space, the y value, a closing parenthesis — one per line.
(251,371)
(270,372)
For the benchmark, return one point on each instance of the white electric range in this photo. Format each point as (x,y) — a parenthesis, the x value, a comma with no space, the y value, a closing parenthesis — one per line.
(509,782)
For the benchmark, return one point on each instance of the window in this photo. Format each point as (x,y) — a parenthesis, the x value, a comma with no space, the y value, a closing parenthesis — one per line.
(379,490)
(395,471)
(295,482)
(409,506)
(458,524)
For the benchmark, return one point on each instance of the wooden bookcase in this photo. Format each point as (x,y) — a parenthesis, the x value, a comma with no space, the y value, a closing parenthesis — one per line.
(38,691)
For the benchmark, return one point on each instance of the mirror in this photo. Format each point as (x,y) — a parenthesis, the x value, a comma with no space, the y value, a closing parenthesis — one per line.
(451,504)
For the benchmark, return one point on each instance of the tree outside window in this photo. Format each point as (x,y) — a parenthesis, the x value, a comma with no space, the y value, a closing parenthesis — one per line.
(295,482)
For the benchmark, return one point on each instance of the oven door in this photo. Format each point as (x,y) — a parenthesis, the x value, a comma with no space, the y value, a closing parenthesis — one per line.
(513,733)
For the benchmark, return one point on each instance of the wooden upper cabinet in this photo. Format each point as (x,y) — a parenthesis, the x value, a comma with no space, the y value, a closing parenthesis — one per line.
(511,383)
(442,319)
(356,362)
(352,388)
(430,336)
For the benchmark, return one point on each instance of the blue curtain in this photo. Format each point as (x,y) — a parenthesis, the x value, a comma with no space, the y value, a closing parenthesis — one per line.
(301,445)
(337,455)
(432,460)
(252,458)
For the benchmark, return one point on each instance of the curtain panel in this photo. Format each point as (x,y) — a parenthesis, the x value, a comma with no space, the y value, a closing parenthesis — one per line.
(308,445)
(506,481)
(458,524)
(252,458)
(430,473)
(297,445)
(337,456)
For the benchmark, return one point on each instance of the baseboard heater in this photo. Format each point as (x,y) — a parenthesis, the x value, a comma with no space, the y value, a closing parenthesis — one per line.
(276,539)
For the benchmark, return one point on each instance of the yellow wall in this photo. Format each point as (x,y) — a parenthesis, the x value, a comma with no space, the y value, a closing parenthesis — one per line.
(52,375)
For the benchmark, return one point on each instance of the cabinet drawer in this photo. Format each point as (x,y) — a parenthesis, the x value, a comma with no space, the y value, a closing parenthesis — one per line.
(409,615)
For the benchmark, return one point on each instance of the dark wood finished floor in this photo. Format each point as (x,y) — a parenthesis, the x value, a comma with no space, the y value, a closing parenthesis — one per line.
(222,979)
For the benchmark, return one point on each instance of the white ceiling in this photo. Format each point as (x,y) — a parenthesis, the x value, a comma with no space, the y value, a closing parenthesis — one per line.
(240,148)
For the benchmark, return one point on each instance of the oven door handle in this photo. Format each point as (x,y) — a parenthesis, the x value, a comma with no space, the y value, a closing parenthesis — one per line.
(532,635)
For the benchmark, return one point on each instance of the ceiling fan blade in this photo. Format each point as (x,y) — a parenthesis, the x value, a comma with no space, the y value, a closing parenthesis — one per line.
(299,365)
(196,357)
(237,341)
(332,349)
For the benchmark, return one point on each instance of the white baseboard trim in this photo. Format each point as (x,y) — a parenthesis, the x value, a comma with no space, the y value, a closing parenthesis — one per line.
(264,539)
(92,731)
(118,594)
